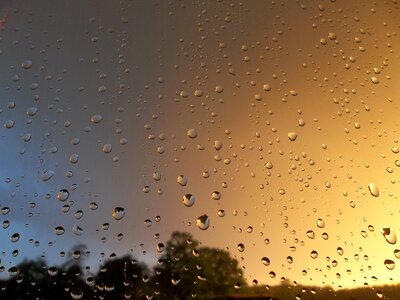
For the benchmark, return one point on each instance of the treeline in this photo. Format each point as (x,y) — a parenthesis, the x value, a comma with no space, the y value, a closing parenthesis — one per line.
(184,271)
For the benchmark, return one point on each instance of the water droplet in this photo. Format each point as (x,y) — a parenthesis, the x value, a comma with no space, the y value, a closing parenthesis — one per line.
(13,271)
(311,234)
(265,261)
(373,189)
(390,235)
(188,200)
(59,230)
(77,230)
(31,111)
(192,133)
(240,247)
(160,247)
(389,264)
(107,148)
(221,213)
(182,180)
(216,195)
(219,89)
(15,237)
(53,271)
(93,206)
(218,145)
(76,293)
(198,93)
(374,80)
(314,254)
(292,136)
(320,223)
(27,64)
(118,213)
(95,119)
(340,250)
(203,222)
(9,124)
(63,195)
(46,176)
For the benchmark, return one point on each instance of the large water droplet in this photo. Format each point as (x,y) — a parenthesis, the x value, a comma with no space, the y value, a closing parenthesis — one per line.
(390,264)
(265,261)
(390,235)
(118,213)
(373,189)
(292,136)
(63,195)
(182,180)
(203,222)
(188,200)
(192,133)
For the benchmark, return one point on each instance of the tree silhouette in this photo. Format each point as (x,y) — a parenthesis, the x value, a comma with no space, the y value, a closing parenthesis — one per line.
(123,278)
(186,270)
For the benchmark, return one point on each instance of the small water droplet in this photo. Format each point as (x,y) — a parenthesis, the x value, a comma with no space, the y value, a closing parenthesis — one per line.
(26,64)
(107,148)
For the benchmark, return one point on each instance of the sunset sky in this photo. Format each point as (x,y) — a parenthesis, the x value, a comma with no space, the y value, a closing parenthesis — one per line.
(288,109)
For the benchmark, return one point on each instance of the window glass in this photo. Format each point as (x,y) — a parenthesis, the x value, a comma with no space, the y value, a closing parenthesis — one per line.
(199,149)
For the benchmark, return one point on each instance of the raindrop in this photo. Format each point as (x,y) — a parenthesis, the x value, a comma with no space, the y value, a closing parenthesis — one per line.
(95,119)
(389,264)
(27,64)
(188,200)
(9,124)
(292,136)
(182,180)
(320,223)
(311,234)
(373,189)
(389,235)
(314,254)
(76,293)
(63,195)
(107,148)
(203,222)
(218,145)
(118,213)
(192,133)
(59,230)
(216,195)
(240,247)
(265,261)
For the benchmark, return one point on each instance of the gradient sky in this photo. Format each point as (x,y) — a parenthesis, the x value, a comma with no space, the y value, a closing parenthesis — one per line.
(325,70)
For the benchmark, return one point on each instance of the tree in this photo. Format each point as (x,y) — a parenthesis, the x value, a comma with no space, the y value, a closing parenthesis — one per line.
(186,270)
(123,278)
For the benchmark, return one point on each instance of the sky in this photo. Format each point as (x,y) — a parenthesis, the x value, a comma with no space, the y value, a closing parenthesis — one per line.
(301,95)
